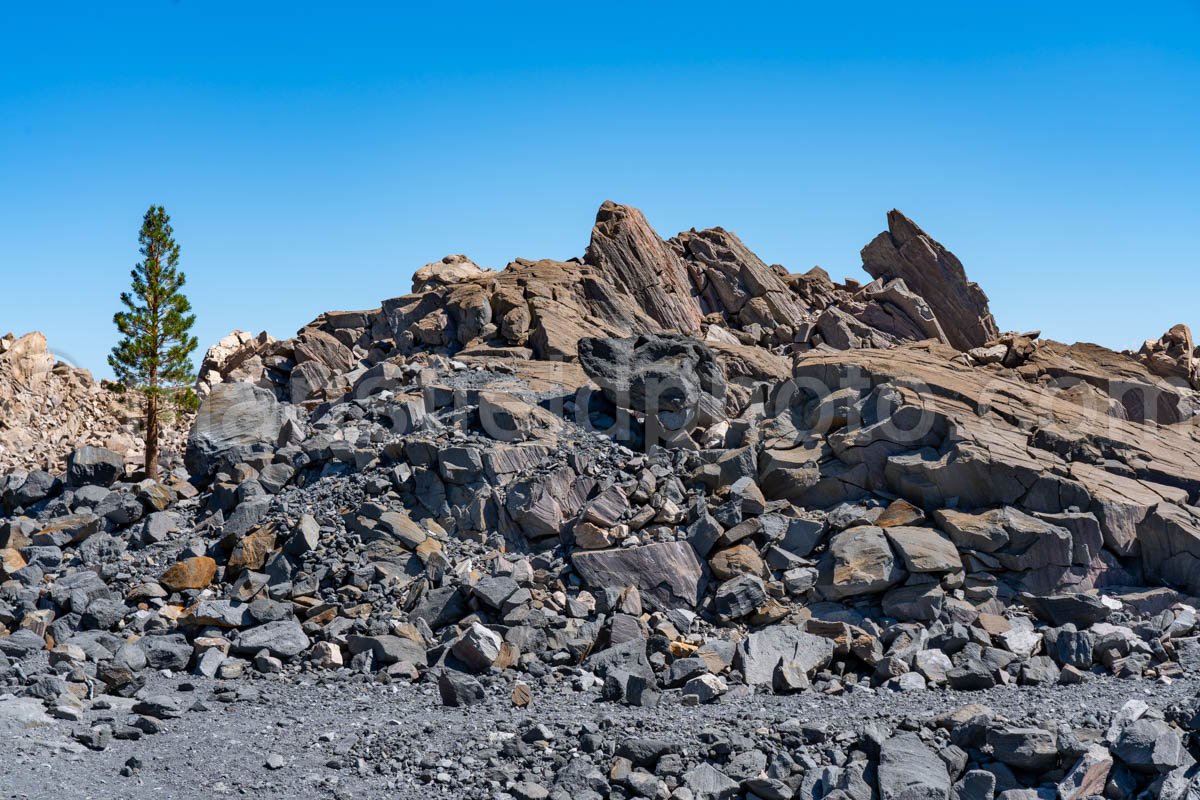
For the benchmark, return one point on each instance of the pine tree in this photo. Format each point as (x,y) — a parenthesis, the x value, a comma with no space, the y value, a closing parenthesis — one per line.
(153,354)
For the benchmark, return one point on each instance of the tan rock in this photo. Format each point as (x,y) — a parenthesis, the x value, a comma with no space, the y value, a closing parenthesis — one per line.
(522,695)
(900,512)
(741,559)
(994,624)
(924,549)
(590,536)
(905,251)
(11,560)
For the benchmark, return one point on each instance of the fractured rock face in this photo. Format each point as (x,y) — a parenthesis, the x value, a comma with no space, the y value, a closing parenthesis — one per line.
(49,409)
(626,250)
(1173,355)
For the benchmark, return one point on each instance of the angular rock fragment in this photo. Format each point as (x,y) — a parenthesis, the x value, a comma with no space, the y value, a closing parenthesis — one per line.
(668,573)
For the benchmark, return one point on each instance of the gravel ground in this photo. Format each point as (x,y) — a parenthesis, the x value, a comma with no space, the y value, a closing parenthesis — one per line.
(363,740)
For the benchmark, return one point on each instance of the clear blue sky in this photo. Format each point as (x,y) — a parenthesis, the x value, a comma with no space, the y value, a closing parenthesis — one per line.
(313,157)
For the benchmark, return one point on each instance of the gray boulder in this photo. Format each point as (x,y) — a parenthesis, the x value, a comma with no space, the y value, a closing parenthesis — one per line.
(668,574)
(283,638)
(1028,749)
(761,653)
(1081,610)
(459,689)
(1150,745)
(95,466)
(235,421)
(908,770)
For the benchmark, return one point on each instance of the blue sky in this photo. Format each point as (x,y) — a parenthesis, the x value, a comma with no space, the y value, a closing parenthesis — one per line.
(313,157)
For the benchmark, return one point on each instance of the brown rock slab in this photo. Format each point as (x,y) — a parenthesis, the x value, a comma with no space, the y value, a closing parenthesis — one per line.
(905,251)
(252,551)
(924,549)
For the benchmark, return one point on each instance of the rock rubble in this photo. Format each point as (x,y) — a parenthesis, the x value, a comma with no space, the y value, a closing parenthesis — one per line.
(664,476)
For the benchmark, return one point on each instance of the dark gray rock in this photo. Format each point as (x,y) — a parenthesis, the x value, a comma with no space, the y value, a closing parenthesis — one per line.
(94,466)
(459,689)
(1029,749)
(673,378)
(667,573)
(1150,745)
(739,597)
(1079,609)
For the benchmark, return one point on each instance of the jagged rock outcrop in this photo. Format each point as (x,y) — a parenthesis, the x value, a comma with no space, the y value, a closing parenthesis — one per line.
(705,284)
(627,253)
(1174,356)
(729,480)
(906,252)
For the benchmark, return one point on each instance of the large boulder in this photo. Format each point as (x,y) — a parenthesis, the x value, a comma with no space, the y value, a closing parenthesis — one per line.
(94,466)
(859,561)
(235,421)
(910,770)
(667,573)
(763,652)
(1170,544)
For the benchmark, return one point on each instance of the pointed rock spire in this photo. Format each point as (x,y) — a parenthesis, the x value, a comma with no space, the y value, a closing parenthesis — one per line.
(933,272)
(627,251)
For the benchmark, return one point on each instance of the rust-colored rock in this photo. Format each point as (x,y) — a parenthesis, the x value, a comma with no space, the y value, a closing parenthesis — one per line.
(252,551)
(196,572)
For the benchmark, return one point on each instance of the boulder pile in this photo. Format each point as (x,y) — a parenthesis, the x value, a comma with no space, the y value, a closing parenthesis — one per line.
(665,473)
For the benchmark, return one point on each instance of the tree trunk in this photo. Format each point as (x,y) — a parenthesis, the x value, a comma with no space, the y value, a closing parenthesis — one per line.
(151,467)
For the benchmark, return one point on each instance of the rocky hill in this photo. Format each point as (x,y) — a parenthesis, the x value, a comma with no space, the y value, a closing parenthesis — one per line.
(664,475)
(48,408)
